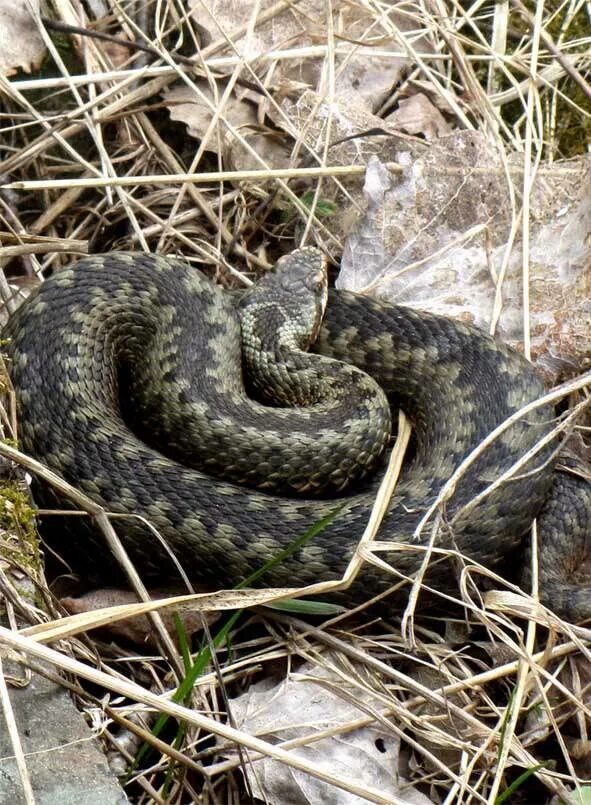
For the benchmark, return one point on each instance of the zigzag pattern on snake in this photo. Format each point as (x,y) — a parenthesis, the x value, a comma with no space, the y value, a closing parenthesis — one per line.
(91,326)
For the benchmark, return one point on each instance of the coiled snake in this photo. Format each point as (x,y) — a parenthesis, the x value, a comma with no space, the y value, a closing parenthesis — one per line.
(118,329)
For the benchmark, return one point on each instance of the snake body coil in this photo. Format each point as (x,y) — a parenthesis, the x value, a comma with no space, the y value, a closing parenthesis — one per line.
(118,321)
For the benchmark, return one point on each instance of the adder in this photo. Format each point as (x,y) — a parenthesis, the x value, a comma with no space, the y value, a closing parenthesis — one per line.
(118,359)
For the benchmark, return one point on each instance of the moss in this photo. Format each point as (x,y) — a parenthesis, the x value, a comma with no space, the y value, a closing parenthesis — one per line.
(20,541)
(564,104)
(573,125)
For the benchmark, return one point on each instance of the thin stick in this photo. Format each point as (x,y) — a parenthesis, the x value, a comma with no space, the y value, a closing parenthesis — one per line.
(196,178)
(15,740)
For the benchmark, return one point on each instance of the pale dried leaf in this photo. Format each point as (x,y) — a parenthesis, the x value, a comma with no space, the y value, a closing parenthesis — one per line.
(301,705)
(438,239)
(322,122)
(21,45)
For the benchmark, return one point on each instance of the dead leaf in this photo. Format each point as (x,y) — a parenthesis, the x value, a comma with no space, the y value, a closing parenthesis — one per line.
(21,44)
(188,107)
(301,705)
(417,115)
(137,629)
(436,237)
(363,74)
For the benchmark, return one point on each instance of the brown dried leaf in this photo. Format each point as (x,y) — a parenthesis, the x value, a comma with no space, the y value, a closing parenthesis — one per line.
(417,115)
(187,107)
(362,77)
(137,629)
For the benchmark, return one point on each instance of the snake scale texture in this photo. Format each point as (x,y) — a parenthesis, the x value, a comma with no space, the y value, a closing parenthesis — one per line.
(140,319)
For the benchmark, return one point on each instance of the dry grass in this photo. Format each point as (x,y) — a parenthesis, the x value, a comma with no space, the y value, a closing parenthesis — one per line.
(91,161)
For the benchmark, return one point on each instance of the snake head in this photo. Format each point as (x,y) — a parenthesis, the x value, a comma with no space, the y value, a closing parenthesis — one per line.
(286,307)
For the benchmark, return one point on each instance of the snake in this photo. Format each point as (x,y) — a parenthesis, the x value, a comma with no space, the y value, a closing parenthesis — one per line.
(115,358)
